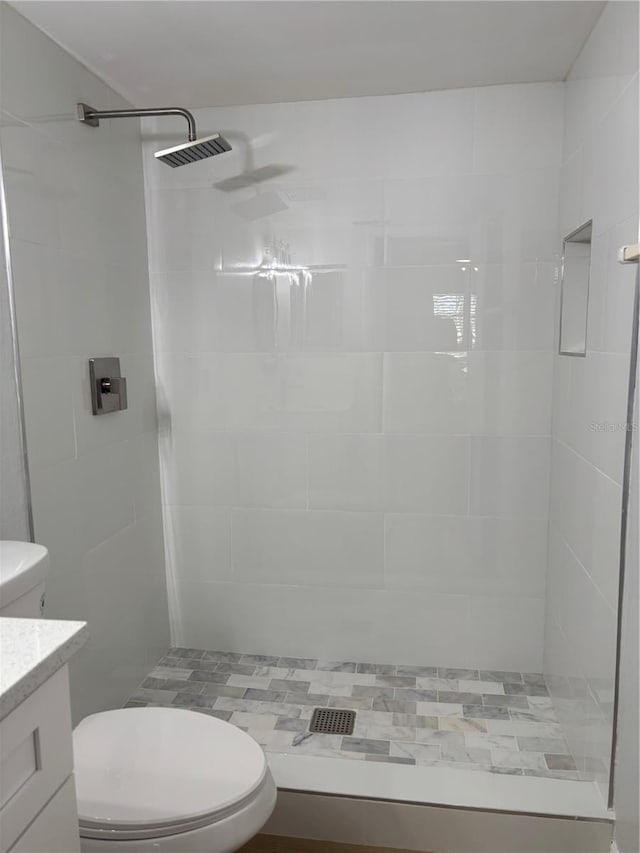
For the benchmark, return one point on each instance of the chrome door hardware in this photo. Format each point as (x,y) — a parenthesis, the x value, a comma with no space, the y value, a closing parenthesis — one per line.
(108,387)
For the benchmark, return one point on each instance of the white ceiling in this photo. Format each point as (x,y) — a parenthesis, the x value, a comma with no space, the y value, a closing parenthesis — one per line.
(220,52)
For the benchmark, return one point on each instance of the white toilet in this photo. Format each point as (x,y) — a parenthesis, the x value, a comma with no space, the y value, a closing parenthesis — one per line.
(152,779)
(167,779)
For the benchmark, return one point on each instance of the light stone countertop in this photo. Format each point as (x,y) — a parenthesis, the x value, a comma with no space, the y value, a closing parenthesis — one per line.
(32,650)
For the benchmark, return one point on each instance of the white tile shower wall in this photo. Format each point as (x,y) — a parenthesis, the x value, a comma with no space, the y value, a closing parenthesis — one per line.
(78,244)
(353,321)
(14,517)
(599,182)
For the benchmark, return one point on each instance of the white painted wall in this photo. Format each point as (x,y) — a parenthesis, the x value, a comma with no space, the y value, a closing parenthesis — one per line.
(14,519)
(76,220)
(599,182)
(356,451)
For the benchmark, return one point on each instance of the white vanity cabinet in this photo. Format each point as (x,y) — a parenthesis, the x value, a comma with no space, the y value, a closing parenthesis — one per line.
(37,794)
(36,763)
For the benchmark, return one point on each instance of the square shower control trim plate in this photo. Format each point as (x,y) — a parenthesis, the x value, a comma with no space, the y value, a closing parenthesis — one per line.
(108,386)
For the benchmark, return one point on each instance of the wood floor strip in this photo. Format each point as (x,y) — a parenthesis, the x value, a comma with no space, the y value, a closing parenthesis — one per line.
(279,844)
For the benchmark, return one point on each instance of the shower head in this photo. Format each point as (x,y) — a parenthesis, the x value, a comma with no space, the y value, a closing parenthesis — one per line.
(191,152)
(179,155)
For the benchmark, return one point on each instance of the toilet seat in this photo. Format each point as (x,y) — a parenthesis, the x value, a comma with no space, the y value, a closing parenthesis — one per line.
(155,772)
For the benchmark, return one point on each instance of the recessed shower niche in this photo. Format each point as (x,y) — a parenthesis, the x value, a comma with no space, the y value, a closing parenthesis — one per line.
(576,266)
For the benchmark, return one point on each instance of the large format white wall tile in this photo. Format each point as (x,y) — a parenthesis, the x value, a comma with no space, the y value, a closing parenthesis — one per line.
(439,144)
(60,497)
(203,311)
(200,470)
(27,159)
(366,621)
(509,476)
(423,309)
(321,311)
(585,507)
(426,618)
(182,319)
(334,393)
(101,234)
(48,401)
(520,618)
(465,555)
(302,392)
(347,472)
(598,390)
(610,165)
(516,130)
(330,342)
(65,315)
(203,391)
(271,469)
(145,473)
(328,224)
(42,300)
(199,540)
(245,618)
(185,219)
(427,392)
(510,393)
(308,548)
(490,218)
(602,70)
(427,474)
(573,210)
(400,473)
(510,306)
(121,570)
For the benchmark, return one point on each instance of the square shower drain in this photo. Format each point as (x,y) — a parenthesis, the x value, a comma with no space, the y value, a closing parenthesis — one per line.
(332,721)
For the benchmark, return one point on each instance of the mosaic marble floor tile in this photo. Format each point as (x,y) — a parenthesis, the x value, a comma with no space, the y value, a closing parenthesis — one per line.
(417,715)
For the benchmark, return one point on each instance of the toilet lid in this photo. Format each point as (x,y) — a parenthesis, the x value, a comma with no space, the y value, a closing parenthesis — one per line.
(140,770)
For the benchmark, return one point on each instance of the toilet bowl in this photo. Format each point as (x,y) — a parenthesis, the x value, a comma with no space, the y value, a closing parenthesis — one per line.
(165,779)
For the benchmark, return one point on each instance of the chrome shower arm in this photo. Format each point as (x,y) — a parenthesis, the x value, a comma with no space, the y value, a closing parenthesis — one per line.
(178,155)
(92,117)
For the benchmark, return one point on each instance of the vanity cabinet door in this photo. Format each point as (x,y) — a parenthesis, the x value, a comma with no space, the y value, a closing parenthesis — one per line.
(55,830)
(36,755)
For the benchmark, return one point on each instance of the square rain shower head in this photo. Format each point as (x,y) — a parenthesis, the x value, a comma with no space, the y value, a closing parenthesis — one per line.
(191,152)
